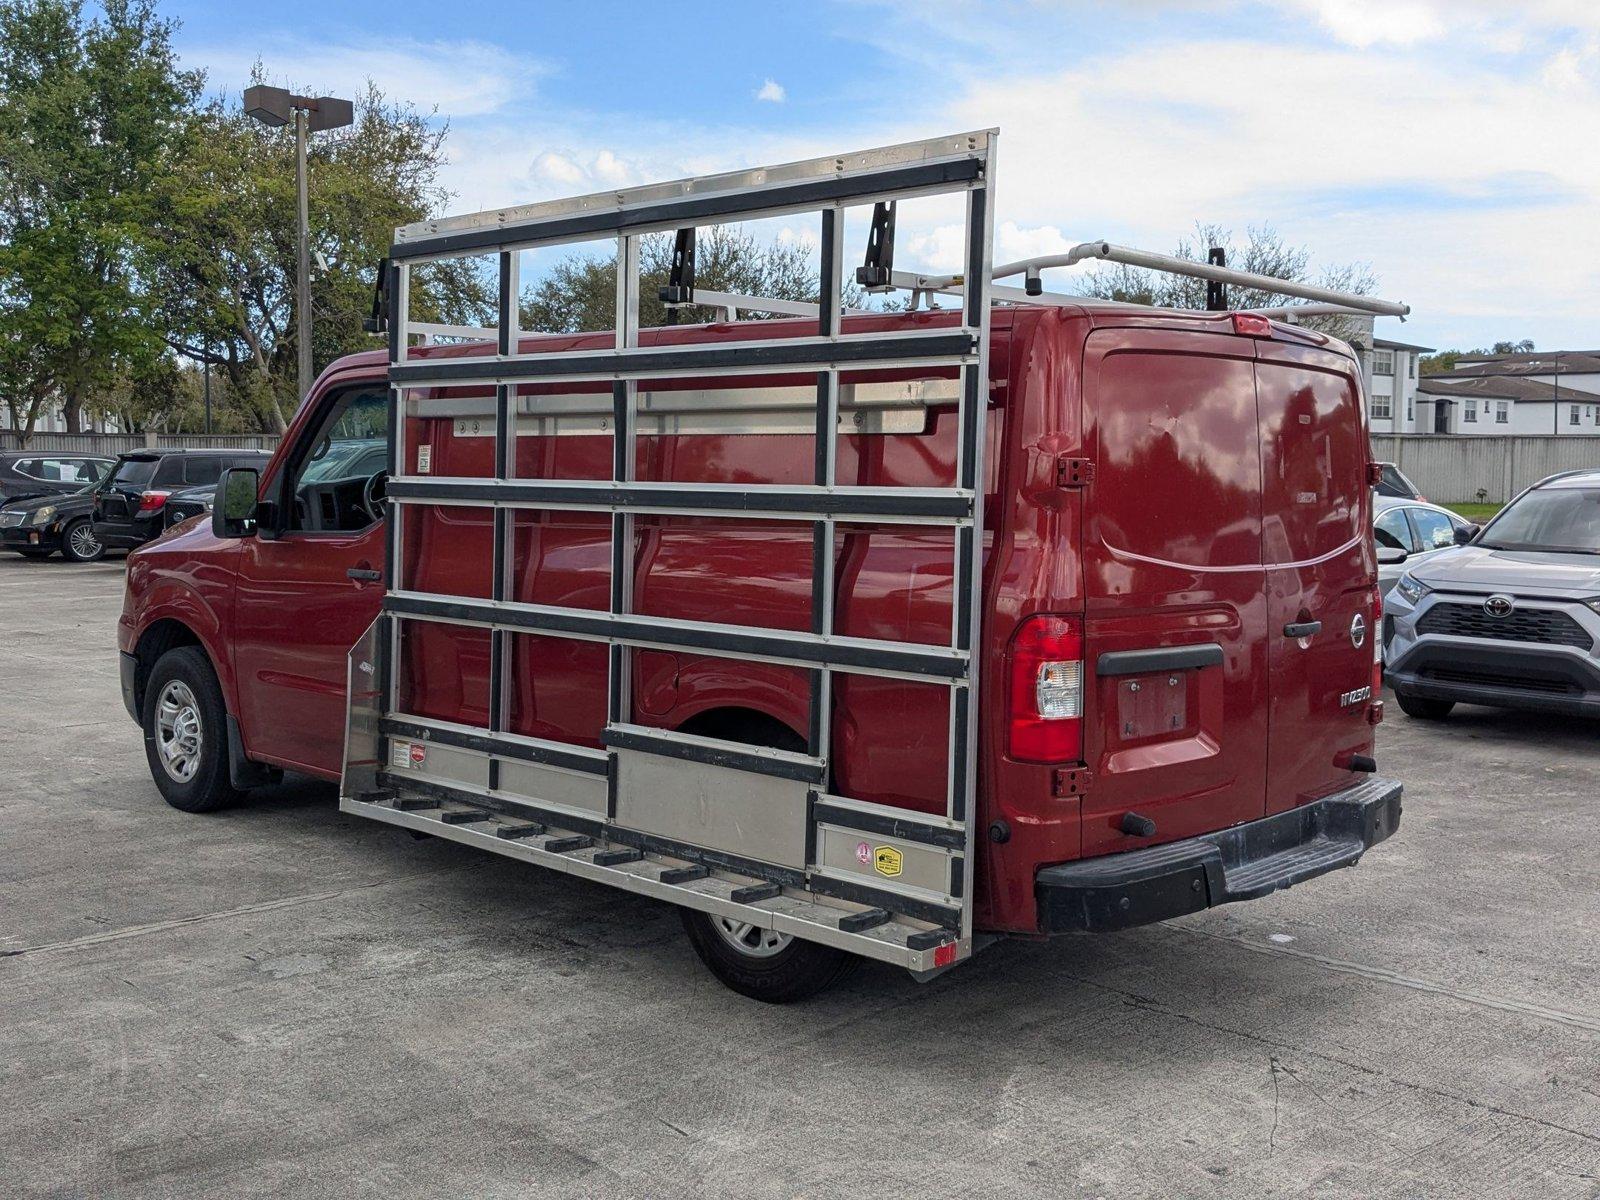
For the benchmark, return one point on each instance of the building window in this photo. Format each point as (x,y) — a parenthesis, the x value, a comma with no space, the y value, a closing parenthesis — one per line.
(1572,417)
(1469,410)
(1382,408)
(1411,409)
(1502,412)
(1383,362)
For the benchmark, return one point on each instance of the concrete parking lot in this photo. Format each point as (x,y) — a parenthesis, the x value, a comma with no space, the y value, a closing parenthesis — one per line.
(281,1001)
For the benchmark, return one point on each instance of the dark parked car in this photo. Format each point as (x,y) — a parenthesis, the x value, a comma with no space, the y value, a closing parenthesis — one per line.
(190,502)
(37,528)
(24,474)
(130,506)
(1394,483)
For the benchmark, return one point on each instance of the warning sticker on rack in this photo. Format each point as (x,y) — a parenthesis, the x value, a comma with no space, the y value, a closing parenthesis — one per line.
(407,754)
(886,860)
(424,459)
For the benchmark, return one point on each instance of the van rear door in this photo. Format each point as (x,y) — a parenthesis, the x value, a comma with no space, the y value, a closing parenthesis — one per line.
(1176,629)
(1317,547)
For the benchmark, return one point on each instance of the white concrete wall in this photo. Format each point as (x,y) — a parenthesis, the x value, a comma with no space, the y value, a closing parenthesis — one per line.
(1452,469)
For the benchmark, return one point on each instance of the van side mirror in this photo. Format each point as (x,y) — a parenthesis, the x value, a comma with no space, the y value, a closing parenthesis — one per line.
(1388,556)
(1465,534)
(233,512)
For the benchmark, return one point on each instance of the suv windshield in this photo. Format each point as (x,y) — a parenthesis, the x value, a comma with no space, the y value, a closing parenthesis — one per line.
(1561,519)
(137,471)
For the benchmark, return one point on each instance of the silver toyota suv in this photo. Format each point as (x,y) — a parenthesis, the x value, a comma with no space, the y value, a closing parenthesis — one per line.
(1512,619)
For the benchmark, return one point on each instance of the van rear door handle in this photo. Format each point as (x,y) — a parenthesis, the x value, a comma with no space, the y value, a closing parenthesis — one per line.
(364,574)
(1302,629)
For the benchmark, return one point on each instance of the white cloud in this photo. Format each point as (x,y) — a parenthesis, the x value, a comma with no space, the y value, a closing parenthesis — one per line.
(772,91)
(1374,22)
(557,168)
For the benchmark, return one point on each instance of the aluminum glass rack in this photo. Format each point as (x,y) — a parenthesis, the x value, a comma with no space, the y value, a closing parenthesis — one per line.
(741,831)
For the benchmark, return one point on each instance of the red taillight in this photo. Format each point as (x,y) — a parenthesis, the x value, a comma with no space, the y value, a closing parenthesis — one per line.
(150,502)
(1045,721)
(1250,325)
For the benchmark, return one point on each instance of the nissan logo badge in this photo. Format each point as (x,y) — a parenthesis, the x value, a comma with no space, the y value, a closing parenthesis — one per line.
(1499,606)
(1358,630)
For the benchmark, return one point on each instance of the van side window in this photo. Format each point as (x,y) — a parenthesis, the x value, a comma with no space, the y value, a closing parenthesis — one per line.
(338,472)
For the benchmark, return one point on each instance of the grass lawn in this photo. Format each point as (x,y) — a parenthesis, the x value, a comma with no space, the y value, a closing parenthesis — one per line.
(1476,513)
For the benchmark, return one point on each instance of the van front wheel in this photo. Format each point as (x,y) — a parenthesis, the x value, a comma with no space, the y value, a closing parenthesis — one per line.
(777,968)
(185,732)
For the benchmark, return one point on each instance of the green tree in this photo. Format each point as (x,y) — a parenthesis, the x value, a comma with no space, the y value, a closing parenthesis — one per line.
(579,293)
(1446,360)
(228,267)
(1263,253)
(91,113)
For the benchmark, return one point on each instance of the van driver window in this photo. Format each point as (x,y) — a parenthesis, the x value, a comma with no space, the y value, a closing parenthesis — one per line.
(337,482)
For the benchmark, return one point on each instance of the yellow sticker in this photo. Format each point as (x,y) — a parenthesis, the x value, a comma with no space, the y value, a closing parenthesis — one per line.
(886,860)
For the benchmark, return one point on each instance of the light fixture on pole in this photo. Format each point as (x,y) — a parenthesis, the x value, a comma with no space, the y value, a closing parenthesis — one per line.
(278,106)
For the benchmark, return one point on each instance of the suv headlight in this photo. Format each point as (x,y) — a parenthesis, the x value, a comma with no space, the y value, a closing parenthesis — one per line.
(1594,603)
(1412,588)
(43,515)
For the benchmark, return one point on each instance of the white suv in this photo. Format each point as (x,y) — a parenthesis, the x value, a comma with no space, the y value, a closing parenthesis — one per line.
(1513,618)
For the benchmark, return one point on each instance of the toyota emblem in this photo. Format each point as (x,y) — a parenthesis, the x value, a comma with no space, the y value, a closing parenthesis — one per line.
(1499,606)
(1358,630)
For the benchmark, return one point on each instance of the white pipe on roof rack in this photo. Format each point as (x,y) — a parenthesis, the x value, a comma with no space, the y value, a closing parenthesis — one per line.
(1183,266)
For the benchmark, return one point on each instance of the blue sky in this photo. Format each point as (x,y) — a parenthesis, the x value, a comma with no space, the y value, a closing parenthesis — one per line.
(1452,145)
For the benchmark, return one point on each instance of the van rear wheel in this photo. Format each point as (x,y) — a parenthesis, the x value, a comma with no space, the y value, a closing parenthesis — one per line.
(1422,708)
(777,968)
(186,732)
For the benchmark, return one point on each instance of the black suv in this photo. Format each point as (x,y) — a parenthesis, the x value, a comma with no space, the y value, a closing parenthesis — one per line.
(129,507)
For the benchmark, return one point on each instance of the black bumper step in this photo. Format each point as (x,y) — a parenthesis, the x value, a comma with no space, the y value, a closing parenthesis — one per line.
(1138,887)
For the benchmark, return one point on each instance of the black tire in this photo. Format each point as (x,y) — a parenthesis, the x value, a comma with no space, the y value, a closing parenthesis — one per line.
(196,782)
(1422,708)
(777,976)
(799,970)
(36,555)
(79,544)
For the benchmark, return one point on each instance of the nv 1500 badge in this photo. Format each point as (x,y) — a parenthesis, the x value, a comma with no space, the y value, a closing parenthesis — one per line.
(1346,699)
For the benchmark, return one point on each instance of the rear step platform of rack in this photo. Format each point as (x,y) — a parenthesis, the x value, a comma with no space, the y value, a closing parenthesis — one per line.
(865,930)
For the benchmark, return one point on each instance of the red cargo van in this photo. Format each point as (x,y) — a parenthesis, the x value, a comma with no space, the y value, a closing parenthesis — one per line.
(1176,592)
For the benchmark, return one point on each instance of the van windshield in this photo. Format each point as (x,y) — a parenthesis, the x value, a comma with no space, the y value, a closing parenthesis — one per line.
(137,471)
(1566,520)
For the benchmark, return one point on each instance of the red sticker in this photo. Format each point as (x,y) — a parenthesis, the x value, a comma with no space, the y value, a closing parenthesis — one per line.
(418,754)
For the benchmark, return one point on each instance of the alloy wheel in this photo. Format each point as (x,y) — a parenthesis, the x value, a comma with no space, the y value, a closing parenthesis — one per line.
(751,939)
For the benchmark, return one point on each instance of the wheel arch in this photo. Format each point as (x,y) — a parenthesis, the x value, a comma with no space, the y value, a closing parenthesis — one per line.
(744,723)
(160,636)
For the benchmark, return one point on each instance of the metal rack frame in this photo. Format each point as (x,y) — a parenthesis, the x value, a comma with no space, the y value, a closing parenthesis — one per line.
(621,796)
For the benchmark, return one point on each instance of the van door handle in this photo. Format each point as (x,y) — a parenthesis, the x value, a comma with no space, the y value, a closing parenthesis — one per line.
(364,574)
(1302,629)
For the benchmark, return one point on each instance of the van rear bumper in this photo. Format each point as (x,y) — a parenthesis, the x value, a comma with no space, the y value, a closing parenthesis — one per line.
(1119,891)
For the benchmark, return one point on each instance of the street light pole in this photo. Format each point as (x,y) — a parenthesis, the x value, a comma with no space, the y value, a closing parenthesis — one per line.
(275,107)
(303,255)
